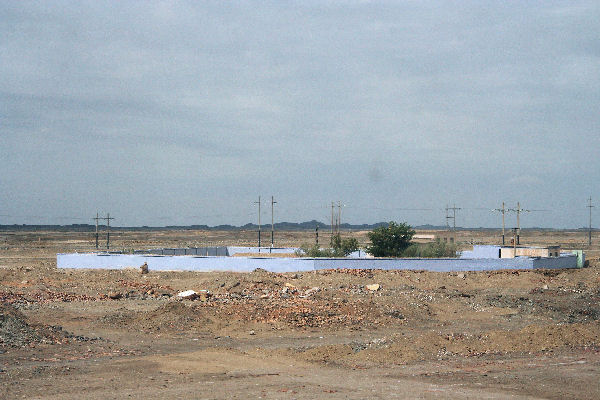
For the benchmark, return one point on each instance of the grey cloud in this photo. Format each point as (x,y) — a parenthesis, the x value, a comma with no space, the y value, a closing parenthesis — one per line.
(448,100)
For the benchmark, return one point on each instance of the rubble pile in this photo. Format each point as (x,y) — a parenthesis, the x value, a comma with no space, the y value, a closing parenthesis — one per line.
(298,312)
(44,297)
(144,287)
(170,317)
(16,331)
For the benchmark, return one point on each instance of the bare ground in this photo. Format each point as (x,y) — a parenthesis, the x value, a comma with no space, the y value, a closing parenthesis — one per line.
(507,334)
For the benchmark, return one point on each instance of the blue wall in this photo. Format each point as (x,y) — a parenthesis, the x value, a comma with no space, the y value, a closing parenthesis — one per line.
(247,264)
(482,251)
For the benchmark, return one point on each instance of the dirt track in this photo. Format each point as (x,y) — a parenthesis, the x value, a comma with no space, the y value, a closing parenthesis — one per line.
(521,334)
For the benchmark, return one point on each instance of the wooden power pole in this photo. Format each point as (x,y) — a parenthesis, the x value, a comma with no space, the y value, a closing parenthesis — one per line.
(108,218)
(97,218)
(258,202)
(503,211)
(273,202)
(590,206)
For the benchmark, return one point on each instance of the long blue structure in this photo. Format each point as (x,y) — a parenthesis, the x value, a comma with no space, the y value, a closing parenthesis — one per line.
(248,264)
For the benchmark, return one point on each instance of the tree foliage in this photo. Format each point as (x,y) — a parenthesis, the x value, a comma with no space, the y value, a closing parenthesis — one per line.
(339,248)
(435,249)
(390,240)
(348,245)
(307,250)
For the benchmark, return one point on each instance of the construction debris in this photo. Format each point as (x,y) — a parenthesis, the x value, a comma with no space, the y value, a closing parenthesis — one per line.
(187,295)
(204,295)
(115,295)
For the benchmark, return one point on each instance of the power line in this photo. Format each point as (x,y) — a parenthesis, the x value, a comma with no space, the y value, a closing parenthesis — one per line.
(393,209)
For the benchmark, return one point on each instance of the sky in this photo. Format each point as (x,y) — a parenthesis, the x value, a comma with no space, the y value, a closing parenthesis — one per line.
(178,113)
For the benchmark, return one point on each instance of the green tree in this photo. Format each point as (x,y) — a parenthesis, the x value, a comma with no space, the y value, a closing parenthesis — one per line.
(307,250)
(349,245)
(390,240)
(435,249)
(340,248)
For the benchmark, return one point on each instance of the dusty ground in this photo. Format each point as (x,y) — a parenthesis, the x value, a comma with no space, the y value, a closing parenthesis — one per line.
(510,334)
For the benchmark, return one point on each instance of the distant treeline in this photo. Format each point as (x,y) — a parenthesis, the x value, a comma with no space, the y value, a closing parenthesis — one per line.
(280,226)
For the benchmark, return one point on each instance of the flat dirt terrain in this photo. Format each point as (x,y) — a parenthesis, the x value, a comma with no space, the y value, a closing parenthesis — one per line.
(321,335)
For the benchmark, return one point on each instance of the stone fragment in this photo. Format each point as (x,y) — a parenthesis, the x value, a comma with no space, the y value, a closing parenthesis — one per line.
(373,287)
(204,295)
(312,290)
(114,295)
(187,295)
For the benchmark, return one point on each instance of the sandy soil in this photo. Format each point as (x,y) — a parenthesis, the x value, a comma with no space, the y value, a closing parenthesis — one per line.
(507,334)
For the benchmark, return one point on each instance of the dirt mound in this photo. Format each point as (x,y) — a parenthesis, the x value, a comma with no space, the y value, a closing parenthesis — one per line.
(171,317)
(431,346)
(16,331)
(306,313)
(535,338)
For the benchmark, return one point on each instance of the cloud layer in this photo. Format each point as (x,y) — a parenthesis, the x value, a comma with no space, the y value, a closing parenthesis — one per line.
(160,111)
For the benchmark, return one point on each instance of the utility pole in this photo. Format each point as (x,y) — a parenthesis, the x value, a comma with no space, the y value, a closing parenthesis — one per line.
(447,218)
(273,202)
(518,210)
(97,218)
(590,206)
(108,218)
(453,217)
(339,222)
(518,223)
(258,202)
(317,235)
(503,211)
(332,206)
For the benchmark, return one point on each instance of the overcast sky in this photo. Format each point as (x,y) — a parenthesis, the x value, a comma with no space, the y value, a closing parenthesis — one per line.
(185,112)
